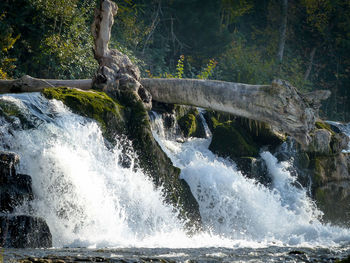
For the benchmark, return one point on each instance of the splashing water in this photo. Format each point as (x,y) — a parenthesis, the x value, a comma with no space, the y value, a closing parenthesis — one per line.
(88,199)
(236,207)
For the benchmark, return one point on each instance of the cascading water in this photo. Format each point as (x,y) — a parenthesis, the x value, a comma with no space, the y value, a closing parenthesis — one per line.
(236,207)
(88,199)
(83,193)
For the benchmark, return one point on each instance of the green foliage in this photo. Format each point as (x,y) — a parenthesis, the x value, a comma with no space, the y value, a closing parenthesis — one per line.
(241,63)
(208,70)
(232,10)
(7,42)
(67,44)
(180,67)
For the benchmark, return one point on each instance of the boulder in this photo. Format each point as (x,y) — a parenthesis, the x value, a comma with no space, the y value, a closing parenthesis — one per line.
(326,141)
(20,231)
(191,123)
(14,188)
(237,137)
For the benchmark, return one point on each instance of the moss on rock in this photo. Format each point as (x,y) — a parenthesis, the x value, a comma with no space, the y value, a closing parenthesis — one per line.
(10,111)
(237,137)
(323,125)
(93,104)
(188,124)
(191,124)
(230,140)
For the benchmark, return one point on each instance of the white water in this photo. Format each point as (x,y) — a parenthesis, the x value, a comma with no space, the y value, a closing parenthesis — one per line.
(89,200)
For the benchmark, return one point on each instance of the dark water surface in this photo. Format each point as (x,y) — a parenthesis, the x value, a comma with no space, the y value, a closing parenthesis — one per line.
(269,254)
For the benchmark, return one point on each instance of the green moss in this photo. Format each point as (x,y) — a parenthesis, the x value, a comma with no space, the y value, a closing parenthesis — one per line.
(92,104)
(323,125)
(188,125)
(230,140)
(239,137)
(254,133)
(10,111)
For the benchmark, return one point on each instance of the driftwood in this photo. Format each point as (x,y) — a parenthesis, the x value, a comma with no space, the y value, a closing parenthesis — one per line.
(29,84)
(278,104)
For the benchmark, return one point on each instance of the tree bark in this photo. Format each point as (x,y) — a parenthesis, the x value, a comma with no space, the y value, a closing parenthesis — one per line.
(116,73)
(283,31)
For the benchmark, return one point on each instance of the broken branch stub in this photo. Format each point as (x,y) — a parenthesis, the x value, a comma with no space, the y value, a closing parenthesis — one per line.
(116,73)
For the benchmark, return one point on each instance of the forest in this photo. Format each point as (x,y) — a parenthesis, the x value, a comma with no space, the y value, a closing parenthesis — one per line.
(306,42)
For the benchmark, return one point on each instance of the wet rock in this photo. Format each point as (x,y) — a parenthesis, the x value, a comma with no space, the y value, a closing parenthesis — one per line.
(18,231)
(328,169)
(24,232)
(327,140)
(236,137)
(156,163)
(14,188)
(254,168)
(320,143)
(191,124)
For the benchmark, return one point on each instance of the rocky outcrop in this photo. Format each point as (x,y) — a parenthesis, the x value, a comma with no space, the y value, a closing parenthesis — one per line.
(18,231)
(24,232)
(14,188)
(329,170)
(181,120)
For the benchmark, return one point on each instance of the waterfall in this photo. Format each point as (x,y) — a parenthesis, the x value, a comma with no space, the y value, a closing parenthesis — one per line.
(236,207)
(88,199)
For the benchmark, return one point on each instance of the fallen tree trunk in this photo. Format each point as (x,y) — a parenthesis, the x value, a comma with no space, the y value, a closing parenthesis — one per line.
(30,84)
(278,104)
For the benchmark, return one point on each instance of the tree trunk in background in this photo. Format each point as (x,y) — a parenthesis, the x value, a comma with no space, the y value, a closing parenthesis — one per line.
(309,68)
(283,31)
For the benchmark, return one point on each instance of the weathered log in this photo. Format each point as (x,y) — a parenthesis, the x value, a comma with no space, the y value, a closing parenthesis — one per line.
(278,104)
(30,84)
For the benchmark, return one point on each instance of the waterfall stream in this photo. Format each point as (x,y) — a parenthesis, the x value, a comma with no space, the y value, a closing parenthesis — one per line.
(89,200)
